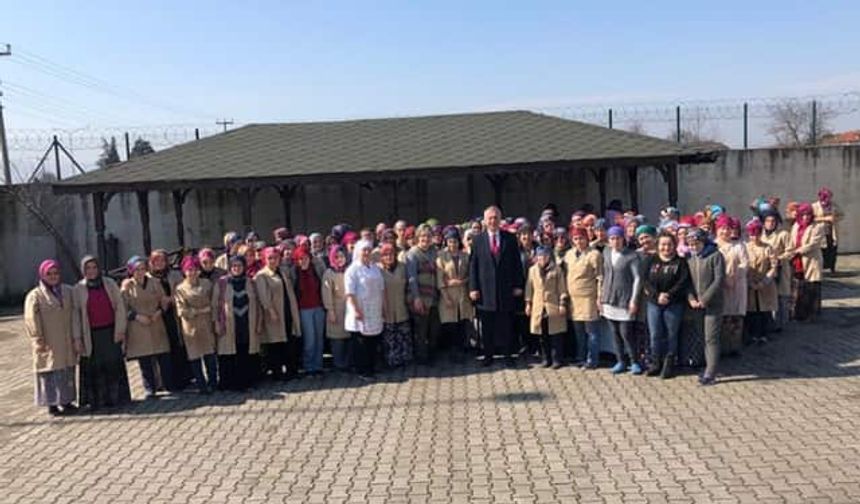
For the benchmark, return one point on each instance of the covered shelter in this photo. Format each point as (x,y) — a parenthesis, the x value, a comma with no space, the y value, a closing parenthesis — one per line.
(498,146)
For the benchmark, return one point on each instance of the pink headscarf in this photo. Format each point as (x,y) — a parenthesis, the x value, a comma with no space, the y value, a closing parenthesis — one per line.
(56,290)
(754,227)
(47,265)
(349,237)
(332,256)
(825,197)
(189,263)
(270,251)
(206,253)
(723,221)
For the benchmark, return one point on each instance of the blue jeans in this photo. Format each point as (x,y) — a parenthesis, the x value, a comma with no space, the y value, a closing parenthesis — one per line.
(313,327)
(341,352)
(664,323)
(587,341)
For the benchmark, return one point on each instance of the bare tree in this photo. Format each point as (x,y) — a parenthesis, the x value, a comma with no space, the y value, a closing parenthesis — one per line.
(637,127)
(791,123)
(695,129)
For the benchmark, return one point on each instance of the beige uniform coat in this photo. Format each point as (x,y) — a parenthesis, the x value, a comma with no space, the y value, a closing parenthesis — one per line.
(454,302)
(81,295)
(547,292)
(780,242)
(810,251)
(762,270)
(194,310)
(334,301)
(270,289)
(225,320)
(394,308)
(144,340)
(819,212)
(54,325)
(735,282)
(584,276)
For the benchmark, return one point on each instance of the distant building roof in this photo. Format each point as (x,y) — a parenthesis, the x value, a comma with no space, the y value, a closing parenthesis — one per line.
(846,137)
(273,153)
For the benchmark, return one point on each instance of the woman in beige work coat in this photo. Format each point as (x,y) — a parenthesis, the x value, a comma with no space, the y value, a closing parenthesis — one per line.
(334,302)
(50,324)
(452,278)
(147,335)
(762,299)
(238,327)
(194,309)
(281,339)
(546,299)
(103,321)
(584,267)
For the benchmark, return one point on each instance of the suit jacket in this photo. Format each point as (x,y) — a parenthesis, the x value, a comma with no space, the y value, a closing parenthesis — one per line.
(496,278)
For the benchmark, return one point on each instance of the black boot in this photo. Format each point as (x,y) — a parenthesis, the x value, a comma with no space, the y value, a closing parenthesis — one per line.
(54,411)
(668,367)
(654,367)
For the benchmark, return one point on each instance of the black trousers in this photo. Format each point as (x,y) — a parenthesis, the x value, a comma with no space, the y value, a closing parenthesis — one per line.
(497,333)
(365,353)
(274,358)
(552,345)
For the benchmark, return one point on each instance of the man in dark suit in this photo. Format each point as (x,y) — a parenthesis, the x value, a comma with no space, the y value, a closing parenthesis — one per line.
(495,280)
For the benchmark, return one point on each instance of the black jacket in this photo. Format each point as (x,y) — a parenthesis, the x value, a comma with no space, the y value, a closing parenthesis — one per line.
(496,278)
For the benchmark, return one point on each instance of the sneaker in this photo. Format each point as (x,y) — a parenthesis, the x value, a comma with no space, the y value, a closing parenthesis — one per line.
(635,369)
(706,381)
(618,368)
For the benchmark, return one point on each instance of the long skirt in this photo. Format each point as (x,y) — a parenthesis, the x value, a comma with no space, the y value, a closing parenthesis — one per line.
(398,343)
(56,388)
(104,379)
(180,369)
(732,335)
(240,371)
(807,299)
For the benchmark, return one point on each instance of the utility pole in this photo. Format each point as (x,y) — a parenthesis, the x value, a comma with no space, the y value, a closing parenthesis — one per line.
(225,123)
(4,148)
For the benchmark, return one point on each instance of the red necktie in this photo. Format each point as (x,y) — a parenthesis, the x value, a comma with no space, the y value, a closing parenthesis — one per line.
(494,245)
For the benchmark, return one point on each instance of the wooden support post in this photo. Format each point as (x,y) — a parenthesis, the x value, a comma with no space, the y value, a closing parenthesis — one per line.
(470,190)
(672,179)
(395,201)
(633,186)
(601,187)
(498,183)
(246,202)
(287,192)
(178,201)
(99,208)
(143,210)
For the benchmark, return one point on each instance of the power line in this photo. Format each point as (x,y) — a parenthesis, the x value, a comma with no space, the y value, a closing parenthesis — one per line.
(68,74)
(225,123)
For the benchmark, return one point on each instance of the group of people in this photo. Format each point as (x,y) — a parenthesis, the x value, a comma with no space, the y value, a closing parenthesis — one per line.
(704,282)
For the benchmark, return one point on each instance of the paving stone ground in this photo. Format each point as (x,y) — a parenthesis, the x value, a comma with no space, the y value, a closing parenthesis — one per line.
(782,426)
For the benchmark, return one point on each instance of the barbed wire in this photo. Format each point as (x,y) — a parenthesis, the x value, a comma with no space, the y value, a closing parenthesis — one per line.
(713,110)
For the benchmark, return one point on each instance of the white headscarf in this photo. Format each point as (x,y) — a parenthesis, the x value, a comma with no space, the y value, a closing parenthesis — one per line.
(359,246)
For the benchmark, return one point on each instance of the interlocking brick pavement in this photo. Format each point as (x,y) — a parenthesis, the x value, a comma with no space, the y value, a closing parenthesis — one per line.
(783,426)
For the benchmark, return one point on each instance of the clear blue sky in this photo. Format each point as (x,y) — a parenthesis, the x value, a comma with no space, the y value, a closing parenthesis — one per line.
(190,62)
